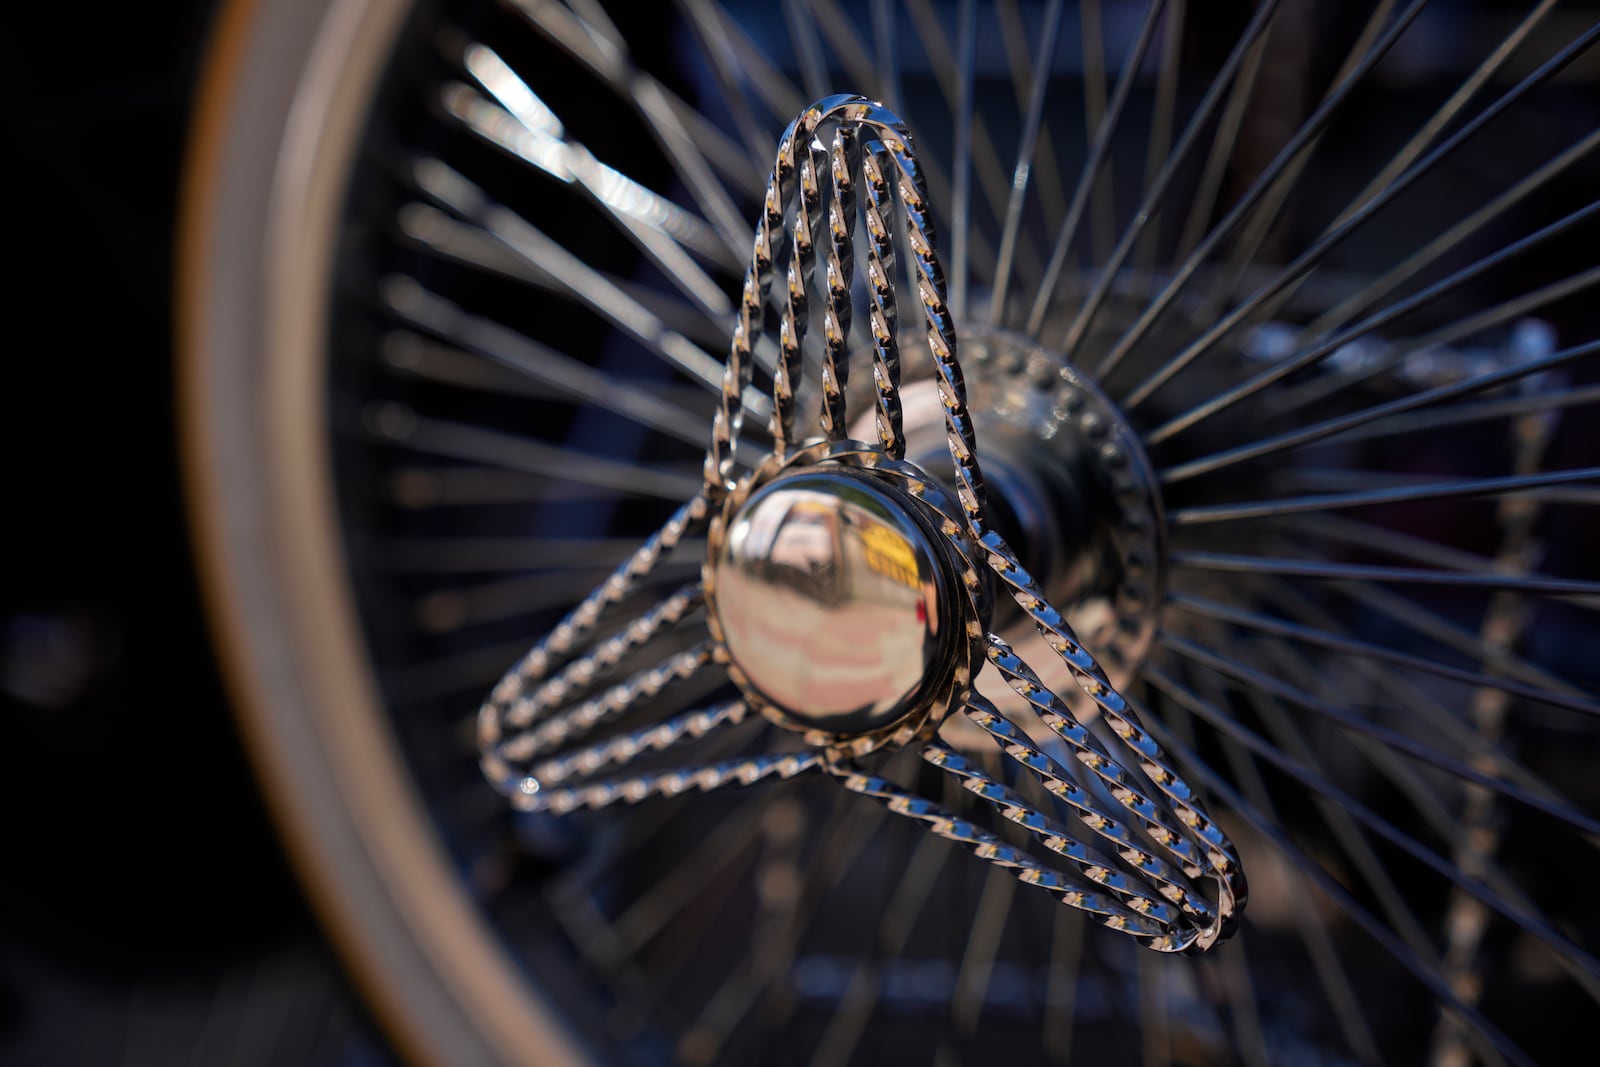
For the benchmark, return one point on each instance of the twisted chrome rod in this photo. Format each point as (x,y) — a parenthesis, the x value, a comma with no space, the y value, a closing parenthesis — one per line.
(537,728)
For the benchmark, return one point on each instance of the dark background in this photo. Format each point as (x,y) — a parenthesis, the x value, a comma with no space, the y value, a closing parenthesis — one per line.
(147,915)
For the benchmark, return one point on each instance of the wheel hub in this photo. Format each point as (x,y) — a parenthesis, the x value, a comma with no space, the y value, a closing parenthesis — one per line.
(1069,486)
(839,604)
(833,601)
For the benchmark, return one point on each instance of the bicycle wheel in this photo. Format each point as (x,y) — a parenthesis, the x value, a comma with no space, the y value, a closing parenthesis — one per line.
(1272,328)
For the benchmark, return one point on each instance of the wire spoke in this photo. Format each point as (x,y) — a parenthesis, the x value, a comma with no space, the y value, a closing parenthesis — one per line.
(579,280)
(961,162)
(534,364)
(1341,897)
(1408,697)
(1312,256)
(661,229)
(900,915)
(1098,157)
(1523,917)
(1314,780)
(1424,398)
(460,440)
(1309,923)
(1092,46)
(1441,118)
(517,596)
(662,112)
(848,829)
(1344,829)
(1461,414)
(977,959)
(1353,647)
(1236,215)
(474,555)
(1203,203)
(1344,530)
(1305,568)
(1322,350)
(1469,487)
(1015,37)
(984,157)
(1262,219)
(1161,122)
(1347,719)
(1249,44)
(1028,146)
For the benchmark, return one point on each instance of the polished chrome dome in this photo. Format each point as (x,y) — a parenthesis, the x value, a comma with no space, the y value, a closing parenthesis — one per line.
(831,601)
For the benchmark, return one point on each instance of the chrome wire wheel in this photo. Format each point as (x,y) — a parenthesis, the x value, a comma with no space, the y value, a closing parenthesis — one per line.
(1273,329)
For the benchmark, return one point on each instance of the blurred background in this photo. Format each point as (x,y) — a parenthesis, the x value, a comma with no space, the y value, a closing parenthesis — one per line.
(147,915)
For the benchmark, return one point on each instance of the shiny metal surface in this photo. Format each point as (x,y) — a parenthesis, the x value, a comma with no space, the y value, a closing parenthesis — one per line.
(538,710)
(831,600)
(1071,487)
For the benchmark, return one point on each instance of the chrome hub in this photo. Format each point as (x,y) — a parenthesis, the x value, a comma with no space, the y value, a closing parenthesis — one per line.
(843,598)
(1069,486)
(832,601)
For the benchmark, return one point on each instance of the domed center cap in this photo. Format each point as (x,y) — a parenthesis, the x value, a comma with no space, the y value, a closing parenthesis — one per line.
(830,599)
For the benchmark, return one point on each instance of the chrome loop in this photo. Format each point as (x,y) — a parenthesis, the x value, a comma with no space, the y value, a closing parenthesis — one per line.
(832,543)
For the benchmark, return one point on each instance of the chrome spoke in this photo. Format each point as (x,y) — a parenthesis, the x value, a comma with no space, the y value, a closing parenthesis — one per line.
(1431,625)
(1050,187)
(961,162)
(459,440)
(1314,254)
(1366,650)
(1085,193)
(1092,40)
(661,228)
(1245,66)
(1346,719)
(663,112)
(1332,890)
(1485,411)
(1407,697)
(1561,588)
(1397,276)
(1249,44)
(1468,487)
(808,50)
(1393,170)
(716,46)
(884,32)
(1156,152)
(1524,918)
(1308,130)
(579,280)
(481,339)
(893,932)
(1309,922)
(982,155)
(467,555)
(1322,350)
(1318,431)
(1027,147)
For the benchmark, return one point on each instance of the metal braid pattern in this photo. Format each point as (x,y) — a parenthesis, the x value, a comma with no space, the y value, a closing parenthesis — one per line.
(535,727)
